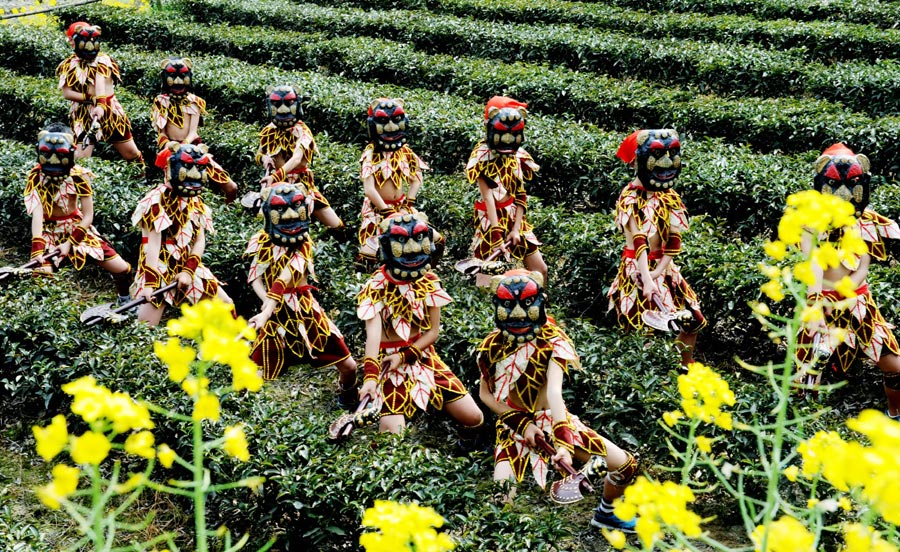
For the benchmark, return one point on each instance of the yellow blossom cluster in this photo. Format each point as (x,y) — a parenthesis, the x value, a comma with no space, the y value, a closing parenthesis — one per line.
(658,506)
(873,468)
(859,538)
(783,535)
(703,394)
(236,443)
(811,214)
(403,528)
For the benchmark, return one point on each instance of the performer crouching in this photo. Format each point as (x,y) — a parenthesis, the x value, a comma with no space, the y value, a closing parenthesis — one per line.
(522,365)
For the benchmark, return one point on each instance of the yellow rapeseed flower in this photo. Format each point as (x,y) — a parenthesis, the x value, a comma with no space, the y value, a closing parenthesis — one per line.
(401,525)
(89,399)
(812,313)
(784,535)
(828,453)
(65,482)
(90,448)
(176,357)
(826,255)
(704,444)
(166,455)
(206,408)
(776,249)
(703,394)
(126,413)
(845,287)
(658,507)
(195,387)
(131,484)
(140,444)
(845,504)
(859,538)
(236,443)
(615,538)
(761,309)
(671,418)
(51,440)
(791,473)
(773,289)
(245,375)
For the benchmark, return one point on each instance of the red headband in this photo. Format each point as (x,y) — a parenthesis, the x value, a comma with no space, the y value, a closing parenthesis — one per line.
(839,149)
(500,102)
(628,148)
(70,32)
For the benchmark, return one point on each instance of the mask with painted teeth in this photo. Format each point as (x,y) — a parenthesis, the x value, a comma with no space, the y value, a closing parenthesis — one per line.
(56,151)
(287,209)
(658,158)
(387,124)
(845,174)
(519,304)
(406,246)
(505,129)
(177,76)
(87,42)
(187,170)
(283,104)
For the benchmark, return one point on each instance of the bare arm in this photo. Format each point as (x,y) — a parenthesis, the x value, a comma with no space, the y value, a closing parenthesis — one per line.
(371,192)
(488,198)
(557,406)
(648,284)
(269,305)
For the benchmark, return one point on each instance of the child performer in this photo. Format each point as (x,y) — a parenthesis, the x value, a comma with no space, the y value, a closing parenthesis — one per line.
(59,198)
(500,167)
(854,316)
(87,78)
(177,114)
(174,221)
(650,214)
(522,365)
(391,174)
(401,306)
(287,147)
(293,327)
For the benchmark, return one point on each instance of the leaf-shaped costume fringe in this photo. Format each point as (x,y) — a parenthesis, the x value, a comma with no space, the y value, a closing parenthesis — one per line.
(659,213)
(856,325)
(170,110)
(78,74)
(299,330)
(506,176)
(178,220)
(401,305)
(274,142)
(45,195)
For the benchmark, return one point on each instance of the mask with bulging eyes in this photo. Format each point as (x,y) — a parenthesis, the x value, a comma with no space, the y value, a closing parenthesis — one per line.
(658,158)
(387,124)
(177,76)
(283,105)
(406,246)
(844,174)
(187,170)
(56,152)
(287,209)
(87,42)
(505,129)
(519,305)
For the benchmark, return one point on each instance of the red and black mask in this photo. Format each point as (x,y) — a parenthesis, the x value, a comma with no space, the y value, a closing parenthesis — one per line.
(658,158)
(86,39)
(406,246)
(187,170)
(842,173)
(387,124)
(177,76)
(56,151)
(287,209)
(283,105)
(505,129)
(519,305)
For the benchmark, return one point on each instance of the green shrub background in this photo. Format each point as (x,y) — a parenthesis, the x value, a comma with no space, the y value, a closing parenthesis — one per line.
(752,117)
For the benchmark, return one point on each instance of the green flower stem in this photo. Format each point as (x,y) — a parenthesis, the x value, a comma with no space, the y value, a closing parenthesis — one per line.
(233,485)
(169,489)
(168,413)
(137,491)
(165,537)
(199,493)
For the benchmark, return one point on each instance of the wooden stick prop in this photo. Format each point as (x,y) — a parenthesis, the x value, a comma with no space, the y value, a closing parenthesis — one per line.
(252,201)
(571,488)
(27,268)
(473,265)
(99,313)
(365,414)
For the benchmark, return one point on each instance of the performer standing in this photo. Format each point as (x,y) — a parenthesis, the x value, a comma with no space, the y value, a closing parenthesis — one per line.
(523,363)
(177,114)
(287,147)
(501,166)
(853,324)
(651,215)
(391,174)
(292,325)
(87,79)
(174,222)
(401,306)
(59,198)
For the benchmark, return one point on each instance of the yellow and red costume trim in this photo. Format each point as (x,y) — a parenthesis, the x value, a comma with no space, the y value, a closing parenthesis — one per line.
(422,378)
(857,319)
(506,176)
(509,366)
(77,74)
(299,329)
(178,220)
(661,214)
(44,194)
(400,168)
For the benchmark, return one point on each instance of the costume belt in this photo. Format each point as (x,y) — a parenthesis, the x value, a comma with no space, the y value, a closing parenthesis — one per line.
(399,343)
(73,214)
(300,170)
(397,201)
(145,240)
(300,289)
(656,255)
(835,295)
(479,205)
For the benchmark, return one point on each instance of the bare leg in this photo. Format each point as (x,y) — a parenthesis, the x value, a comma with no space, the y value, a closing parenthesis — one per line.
(150,314)
(128,150)
(393,423)
(81,152)
(686,343)
(465,411)
(535,262)
(890,368)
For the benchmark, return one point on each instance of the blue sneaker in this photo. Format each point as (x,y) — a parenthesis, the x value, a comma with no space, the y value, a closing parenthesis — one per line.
(609,520)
